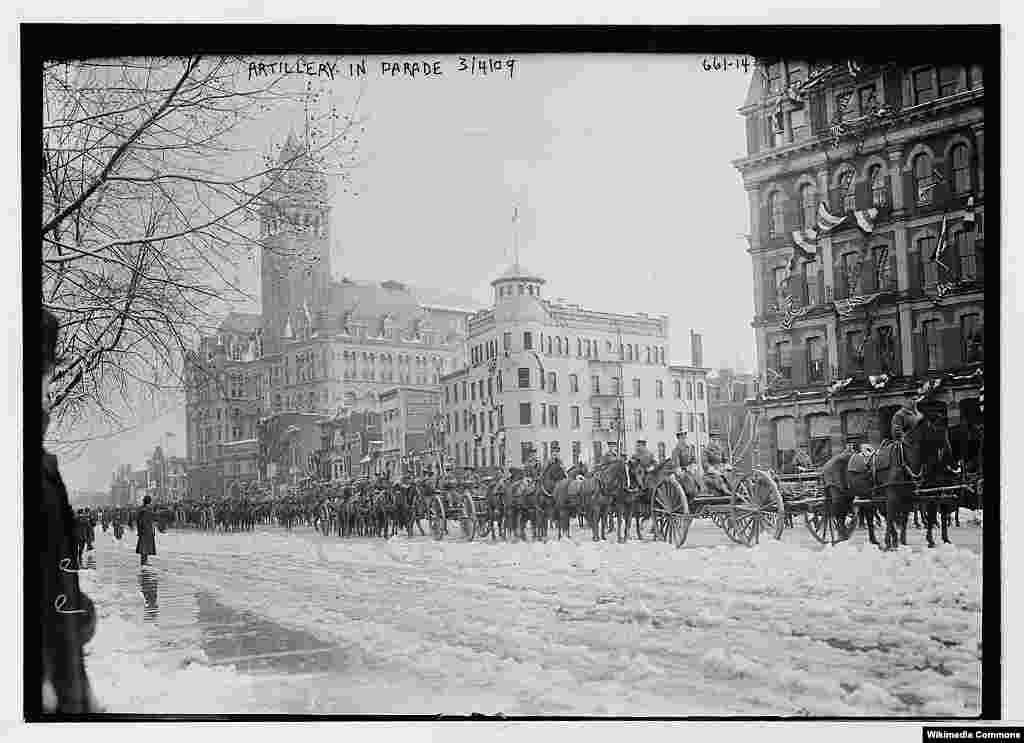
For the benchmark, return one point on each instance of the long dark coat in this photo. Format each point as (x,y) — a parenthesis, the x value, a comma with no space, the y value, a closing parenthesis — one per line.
(145,521)
(67,616)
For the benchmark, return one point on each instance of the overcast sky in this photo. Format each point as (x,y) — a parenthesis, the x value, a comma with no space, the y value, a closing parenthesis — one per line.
(621,165)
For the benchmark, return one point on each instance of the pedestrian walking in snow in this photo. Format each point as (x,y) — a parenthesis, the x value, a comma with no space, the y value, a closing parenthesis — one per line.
(146,527)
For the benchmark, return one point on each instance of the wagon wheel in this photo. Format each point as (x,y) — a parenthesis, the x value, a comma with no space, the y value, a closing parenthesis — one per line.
(828,529)
(438,523)
(756,508)
(670,514)
(467,519)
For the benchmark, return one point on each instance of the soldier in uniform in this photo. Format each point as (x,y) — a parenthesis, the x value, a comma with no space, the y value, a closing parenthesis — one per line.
(681,458)
(802,460)
(646,461)
(835,477)
(611,455)
(553,463)
(907,418)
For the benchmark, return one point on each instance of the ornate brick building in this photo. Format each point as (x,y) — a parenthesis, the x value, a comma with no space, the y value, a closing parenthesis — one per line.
(319,346)
(866,191)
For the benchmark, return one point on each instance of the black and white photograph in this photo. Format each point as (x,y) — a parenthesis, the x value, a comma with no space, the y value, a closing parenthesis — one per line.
(544,375)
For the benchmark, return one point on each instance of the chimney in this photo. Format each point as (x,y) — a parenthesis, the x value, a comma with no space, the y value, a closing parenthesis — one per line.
(696,350)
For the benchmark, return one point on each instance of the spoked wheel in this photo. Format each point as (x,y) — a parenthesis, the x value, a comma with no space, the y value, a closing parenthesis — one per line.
(671,515)
(827,528)
(438,523)
(467,519)
(757,508)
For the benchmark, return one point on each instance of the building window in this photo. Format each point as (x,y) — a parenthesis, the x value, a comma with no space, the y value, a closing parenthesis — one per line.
(926,247)
(528,341)
(465,394)
(506,341)
(815,360)
(855,350)
(776,225)
(798,124)
(636,387)
(595,414)
(703,422)
(595,385)
(524,378)
(783,362)
(785,444)
(933,351)
(879,187)
(700,390)
(867,99)
(924,86)
(659,389)
(808,206)
(629,352)
(689,390)
(677,389)
(965,252)
(961,169)
(851,273)
(691,422)
(638,419)
(597,452)
(972,338)
(574,383)
(661,420)
(543,414)
(574,416)
(616,386)
(811,284)
(524,414)
(553,416)
(886,350)
(847,187)
(472,391)
(924,179)
(552,380)
(949,81)
(781,286)
(880,259)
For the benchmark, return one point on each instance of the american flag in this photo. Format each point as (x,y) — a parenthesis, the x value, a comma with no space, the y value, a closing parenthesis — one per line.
(845,307)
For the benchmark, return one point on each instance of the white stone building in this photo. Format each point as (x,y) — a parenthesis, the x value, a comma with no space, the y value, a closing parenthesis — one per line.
(541,372)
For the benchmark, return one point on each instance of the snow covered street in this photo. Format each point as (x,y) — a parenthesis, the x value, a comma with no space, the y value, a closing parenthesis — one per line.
(293,622)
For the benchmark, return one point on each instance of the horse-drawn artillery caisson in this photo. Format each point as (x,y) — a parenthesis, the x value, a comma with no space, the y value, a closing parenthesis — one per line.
(916,470)
(744,506)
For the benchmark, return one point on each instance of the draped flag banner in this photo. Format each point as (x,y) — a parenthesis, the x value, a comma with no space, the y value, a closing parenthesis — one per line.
(929,386)
(866,219)
(944,288)
(807,241)
(827,222)
(878,381)
(839,385)
(792,315)
(941,247)
(845,307)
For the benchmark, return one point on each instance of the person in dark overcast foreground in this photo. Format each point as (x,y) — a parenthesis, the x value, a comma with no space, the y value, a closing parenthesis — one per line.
(146,544)
(66,615)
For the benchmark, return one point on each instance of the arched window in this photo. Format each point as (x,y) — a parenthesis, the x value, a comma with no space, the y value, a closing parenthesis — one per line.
(848,191)
(923,179)
(808,206)
(776,224)
(961,169)
(879,186)
(689,390)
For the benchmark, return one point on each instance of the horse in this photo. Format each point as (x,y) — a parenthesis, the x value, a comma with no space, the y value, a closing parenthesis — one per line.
(569,495)
(895,469)
(543,496)
(520,505)
(494,503)
(943,469)
(609,480)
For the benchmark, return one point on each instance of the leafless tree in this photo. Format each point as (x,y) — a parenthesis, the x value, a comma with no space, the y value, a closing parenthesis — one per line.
(152,192)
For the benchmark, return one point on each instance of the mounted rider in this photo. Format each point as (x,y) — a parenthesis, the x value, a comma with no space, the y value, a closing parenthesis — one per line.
(907,418)
(714,475)
(611,454)
(645,461)
(551,470)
